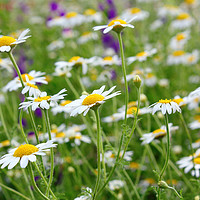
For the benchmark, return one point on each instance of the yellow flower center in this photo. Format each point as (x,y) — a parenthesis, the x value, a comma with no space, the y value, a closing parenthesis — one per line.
(132,104)
(86,33)
(112,155)
(25,150)
(71,14)
(183,16)
(68,159)
(180,36)
(197,160)
(32,85)
(60,135)
(39,99)
(108,58)
(150,181)
(92,99)
(173,182)
(178,53)
(134,165)
(48,78)
(197,141)
(117,20)
(150,75)
(178,101)
(189,1)
(135,10)
(90,12)
(75,137)
(6,41)
(74,59)
(65,102)
(5,143)
(161,133)
(191,58)
(1,60)
(29,77)
(141,54)
(131,110)
(54,130)
(165,101)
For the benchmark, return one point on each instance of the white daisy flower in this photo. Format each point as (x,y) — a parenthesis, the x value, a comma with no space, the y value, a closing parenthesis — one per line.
(55,45)
(116,25)
(72,19)
(32,89)
(194,125)
(196,144)
(77,61)
(141,56)
(62,69)
(165,106)
(92,15)
(43,101)
(182,21)
(24,154)
(191,163)
(150,79)
(87,194)
(8,42)
(178,41)
(156,24)
(192,58)
(87,36)
(157,134)
(87,102)
(195,93)
(4,143)
(136,13)
(32,77)
(115,184)
(169,10)
(5,63)
(108,60)
(60,107)
(177,57)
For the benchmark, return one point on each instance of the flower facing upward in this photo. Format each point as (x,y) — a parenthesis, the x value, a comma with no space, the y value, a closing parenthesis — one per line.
(8,42)
(87,102)
(116,25)
(43,101)
(165,106)
(25,153)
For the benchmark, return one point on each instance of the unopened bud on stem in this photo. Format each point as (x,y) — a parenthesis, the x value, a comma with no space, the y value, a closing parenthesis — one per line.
(137,81)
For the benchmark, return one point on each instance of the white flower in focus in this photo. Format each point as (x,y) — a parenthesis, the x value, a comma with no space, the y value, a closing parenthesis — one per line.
(87,102)
(8,42)
(43,101)
(117,25)
(24,154)
(165,106)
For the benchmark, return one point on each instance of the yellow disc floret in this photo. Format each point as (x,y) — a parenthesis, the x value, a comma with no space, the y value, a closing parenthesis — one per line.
(25,150)
(178,100)
(65,102)
(131,110)
(165,101)
(60,135)
(39,99)
(135,10)
(180,36)
(71,14)
(90,12)
(108,58)
(183,16)
(134,165)
(189,2)
(32,85)
(92,99)
(74,58)
(5,143)
(141,54)
(117,20)
(29,77)
(178,53)
(197,160)
(6,41)
(160,133)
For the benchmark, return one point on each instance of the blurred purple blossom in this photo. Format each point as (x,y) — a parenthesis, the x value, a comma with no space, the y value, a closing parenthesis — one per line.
(38,113)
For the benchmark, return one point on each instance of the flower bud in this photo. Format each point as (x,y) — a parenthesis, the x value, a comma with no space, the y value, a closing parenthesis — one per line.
(163,184)
(84,93)
(137,81)
(143,97)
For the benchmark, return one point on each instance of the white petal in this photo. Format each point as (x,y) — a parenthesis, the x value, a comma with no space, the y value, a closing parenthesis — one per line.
(13,163)
(24,161)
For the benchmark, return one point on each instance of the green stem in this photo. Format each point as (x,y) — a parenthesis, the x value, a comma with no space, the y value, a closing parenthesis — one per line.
(124,73)
(81,84)
(72,87)
(52,154)
(98,153)
(34,183)
(177,194)
(21,126)
(168,148)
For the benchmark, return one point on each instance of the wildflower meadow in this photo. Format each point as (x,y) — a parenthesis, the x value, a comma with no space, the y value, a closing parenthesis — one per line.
(99,100)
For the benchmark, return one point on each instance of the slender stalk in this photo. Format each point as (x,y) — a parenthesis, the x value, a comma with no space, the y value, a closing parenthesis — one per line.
(124,73)
(98,153)
(168,148)
(21,126)
(34,183)
(177,194)
(72,87)
(81,84)
(103,161)
(52,154)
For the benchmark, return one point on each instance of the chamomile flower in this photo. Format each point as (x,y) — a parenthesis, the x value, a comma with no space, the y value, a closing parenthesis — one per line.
(43,101)
(60,107)
(107,61)
(150,79)
(92,15)
(136,13)
(169,10)
(196,144)
(141,56)
(157,134)
(72,19)
(179,40)
(116,25)
(31,88)
(62,69)
(32,77)
(177,57)
(7,42)
(195,124)
(115,184)
(87,36)
(191,163)
(5,63)
(4,143)
(24,154)
(87,194)
(87,102)
(192,58)
(55,45)
(182,21)
(165,106)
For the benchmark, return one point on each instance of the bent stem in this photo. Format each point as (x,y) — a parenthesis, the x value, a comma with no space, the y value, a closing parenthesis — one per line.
(98,153)
(52,155)
(168,149)
(124,73)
